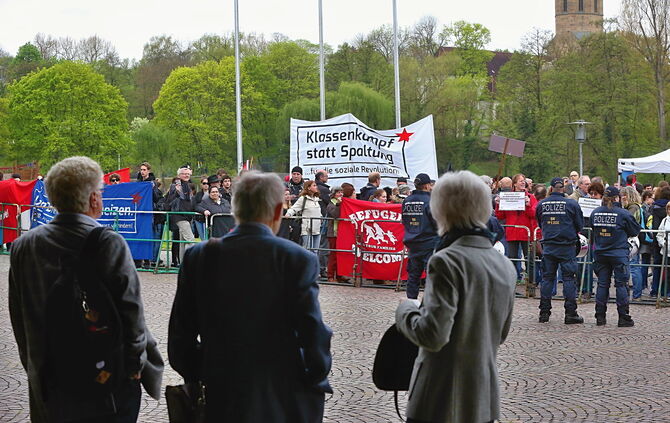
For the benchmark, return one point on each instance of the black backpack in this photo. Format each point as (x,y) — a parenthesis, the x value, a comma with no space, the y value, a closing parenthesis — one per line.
(84,348)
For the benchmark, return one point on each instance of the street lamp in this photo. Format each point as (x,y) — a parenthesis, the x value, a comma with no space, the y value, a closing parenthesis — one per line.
(580,137)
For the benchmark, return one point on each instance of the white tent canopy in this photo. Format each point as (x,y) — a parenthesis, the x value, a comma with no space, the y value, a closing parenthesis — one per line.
(657,163)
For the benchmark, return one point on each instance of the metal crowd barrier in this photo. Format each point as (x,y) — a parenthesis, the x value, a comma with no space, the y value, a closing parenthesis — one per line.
(530,258)
(586,265)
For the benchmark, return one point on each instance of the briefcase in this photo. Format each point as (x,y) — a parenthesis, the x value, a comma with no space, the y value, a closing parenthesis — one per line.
(186,403)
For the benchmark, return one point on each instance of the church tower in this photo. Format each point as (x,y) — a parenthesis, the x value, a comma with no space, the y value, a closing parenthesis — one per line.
(578,17)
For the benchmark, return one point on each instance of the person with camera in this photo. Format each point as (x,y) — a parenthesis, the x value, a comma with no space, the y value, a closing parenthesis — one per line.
(180,199)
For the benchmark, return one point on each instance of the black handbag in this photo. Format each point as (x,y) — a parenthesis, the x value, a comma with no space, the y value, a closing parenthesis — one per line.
(186,403)
(394,362)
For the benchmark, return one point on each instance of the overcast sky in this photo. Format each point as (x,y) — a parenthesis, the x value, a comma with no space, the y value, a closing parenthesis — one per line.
(129,24)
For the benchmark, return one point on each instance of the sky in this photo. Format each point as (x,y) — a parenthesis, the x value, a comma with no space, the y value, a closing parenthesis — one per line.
(129,24)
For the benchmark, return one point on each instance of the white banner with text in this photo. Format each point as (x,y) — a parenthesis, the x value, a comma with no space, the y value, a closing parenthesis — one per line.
(349,150)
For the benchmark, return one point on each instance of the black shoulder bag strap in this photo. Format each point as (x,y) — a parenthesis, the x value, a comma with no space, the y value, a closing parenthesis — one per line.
(88,252)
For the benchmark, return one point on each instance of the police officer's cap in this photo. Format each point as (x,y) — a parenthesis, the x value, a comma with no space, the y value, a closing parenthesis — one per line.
(612,192)
(557,182)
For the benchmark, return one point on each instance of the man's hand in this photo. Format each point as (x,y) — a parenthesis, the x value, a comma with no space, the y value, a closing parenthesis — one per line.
(136,376)
(207,212)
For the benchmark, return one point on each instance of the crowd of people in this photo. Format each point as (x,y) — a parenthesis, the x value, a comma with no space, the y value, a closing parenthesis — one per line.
(312,210)
(451,226)
(264,354)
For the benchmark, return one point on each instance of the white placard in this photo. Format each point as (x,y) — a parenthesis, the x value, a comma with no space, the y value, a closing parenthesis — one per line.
(349,150)
(588,205)
(512,201)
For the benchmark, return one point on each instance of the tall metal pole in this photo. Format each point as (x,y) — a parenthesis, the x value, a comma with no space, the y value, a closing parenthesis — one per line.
(322,79)
(581,159)
(396,65)
(238,102)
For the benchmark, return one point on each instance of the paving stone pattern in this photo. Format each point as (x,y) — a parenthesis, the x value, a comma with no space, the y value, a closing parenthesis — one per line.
(549,372)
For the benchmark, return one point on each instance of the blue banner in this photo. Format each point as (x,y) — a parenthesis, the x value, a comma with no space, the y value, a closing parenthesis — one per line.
(122,201)
(42,213)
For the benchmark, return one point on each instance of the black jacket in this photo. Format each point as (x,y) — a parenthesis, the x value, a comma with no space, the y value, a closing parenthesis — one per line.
(295,189)
(180,202)
(420,227)
(324,195)
(150,177)
(560,218)
(367,191)
(611,229)
(220,225)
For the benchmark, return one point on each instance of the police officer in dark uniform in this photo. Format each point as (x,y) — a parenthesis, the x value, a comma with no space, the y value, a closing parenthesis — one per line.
(561,219)
(612,226)
(420,231)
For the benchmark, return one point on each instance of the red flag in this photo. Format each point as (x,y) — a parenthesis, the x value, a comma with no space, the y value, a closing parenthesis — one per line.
(377,228)
(123,173)
(12,192)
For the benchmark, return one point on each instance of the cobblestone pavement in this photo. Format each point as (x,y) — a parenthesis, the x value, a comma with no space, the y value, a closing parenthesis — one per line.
(549,372)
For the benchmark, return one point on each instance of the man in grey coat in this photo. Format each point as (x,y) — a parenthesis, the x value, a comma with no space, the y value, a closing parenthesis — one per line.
(466,311)
(74,187)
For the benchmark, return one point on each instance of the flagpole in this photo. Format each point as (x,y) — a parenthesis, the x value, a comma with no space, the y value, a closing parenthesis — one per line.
(322,79)
(396,65)
(238,102)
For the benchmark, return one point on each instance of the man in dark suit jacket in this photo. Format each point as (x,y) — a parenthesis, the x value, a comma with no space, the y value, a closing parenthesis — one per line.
(254,334)
(36,265)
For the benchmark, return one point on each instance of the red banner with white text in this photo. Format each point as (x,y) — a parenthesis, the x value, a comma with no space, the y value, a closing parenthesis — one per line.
(378,229)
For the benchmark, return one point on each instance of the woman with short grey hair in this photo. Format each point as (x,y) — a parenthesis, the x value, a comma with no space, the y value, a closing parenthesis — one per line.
(466,311)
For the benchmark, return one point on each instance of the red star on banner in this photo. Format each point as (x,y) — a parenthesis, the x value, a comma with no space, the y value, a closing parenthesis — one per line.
(136,198)
(404,135)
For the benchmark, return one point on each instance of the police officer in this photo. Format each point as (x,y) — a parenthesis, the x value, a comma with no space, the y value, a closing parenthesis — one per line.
(612,226)
(420,231)
(561,220)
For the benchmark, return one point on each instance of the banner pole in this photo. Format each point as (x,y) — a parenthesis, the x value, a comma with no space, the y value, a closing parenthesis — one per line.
(502,161)
(396,65)
(238,104)
(322,80)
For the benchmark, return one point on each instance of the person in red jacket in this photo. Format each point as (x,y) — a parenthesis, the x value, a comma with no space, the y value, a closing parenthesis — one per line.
(517,238)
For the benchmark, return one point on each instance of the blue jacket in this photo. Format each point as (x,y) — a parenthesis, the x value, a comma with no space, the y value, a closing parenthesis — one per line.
(611,229)
(263,346)
(420,227)
(560,218)
(367,191)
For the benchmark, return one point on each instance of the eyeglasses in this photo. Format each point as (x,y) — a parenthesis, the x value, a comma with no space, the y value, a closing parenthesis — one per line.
(204,183)
(113,180)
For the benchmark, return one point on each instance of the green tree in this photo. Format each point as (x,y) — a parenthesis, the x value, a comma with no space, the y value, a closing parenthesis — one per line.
(295,70)
(5,134)
(156,145)
(198,105)
(470,40)
(27,59)
(67,110)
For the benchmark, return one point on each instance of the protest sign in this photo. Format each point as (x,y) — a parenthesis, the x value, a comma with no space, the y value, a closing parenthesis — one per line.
(121,203)
(588,205)
(512,201)
(349,150)
(378,229)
